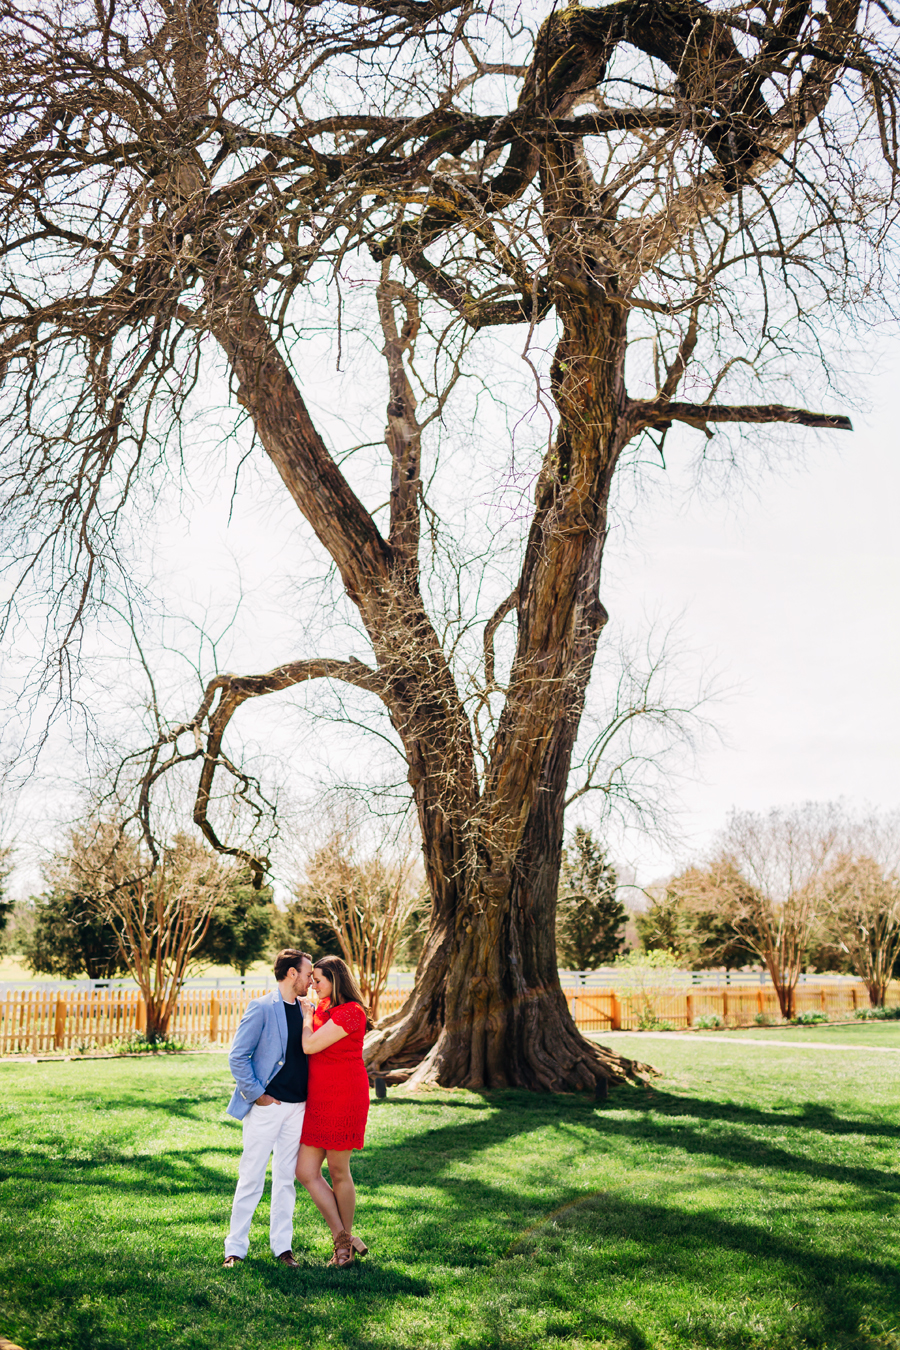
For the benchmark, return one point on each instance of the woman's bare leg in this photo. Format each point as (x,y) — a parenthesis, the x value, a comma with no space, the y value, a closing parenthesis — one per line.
(344,1190)
(309,1172)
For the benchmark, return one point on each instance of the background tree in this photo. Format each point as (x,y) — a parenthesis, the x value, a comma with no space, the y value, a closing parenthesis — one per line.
(590,919)
(241,925)
(161,918)
(71,934)
(368,899)
(860,901)
(157,913)
(16,937)
(303,924)
(71,937)
(76,932)
(700,190)
(778,860)
(693,916)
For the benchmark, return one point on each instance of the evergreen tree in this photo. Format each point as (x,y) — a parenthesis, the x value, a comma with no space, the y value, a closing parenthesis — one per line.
(71,938)
(304,925)
(589,917)
(241,927)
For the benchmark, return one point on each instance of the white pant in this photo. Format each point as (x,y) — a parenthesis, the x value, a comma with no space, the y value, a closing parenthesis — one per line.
(275,1130)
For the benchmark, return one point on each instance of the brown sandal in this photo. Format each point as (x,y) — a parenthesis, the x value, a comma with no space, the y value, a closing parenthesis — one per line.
(343,1250)
(359,1246)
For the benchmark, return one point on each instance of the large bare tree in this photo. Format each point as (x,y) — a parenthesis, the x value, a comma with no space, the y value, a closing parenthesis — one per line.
(685,192)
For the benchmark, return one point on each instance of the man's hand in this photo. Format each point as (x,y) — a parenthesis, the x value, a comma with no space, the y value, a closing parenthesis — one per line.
(266,1100)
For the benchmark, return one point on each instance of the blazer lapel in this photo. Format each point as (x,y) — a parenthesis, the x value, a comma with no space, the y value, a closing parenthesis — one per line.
(281,1018)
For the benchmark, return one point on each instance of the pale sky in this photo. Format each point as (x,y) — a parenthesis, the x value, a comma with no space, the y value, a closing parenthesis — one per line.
(793,592)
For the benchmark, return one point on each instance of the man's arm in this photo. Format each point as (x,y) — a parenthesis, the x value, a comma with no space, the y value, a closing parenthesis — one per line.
(245,1042)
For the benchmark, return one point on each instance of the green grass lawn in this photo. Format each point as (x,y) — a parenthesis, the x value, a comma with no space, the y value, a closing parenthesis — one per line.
(747,1198)
(886,1034)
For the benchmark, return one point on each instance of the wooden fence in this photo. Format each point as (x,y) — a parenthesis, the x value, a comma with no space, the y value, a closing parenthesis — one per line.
(41,1021)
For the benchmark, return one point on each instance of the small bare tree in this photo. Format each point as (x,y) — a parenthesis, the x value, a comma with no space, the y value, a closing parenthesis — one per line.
(770,870)
(860,897)
(163,920)
(368,899)
(160,914)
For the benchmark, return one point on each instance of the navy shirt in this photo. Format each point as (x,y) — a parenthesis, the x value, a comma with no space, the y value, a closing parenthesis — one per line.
(290,1082)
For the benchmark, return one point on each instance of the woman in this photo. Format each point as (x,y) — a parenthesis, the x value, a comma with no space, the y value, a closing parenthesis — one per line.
(338,1101)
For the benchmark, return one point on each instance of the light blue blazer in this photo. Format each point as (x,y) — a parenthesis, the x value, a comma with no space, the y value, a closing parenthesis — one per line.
(257,1051)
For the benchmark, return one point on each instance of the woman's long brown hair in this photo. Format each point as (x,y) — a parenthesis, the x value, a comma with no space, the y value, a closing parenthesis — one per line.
(344,988)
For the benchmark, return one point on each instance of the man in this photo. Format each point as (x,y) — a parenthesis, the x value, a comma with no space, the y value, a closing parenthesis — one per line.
(271,1072)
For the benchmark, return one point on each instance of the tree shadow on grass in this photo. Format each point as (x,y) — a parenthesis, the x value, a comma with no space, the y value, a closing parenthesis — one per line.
(421,1156)
(159,1172)
(627,1336)
(669,1247)
(645,1117)
(665,1243)
(73,1294)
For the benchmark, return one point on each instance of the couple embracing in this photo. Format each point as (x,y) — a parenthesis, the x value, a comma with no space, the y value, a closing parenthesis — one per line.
(303,1097)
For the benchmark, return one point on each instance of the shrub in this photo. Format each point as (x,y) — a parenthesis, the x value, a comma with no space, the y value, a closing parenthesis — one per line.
(877,1014)
(138,1044)
(648,1023)
(763,1020)
(709,1022)
(808,1019)
(648,980)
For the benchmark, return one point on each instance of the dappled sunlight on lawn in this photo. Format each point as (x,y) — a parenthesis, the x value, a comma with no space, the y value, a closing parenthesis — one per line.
(727,1204)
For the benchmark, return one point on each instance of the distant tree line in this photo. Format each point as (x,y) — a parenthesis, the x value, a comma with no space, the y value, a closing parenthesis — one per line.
(353,903)
(793,890)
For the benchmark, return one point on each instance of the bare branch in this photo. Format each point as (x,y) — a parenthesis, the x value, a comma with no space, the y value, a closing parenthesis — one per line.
(403,434)
(490,628)
(663,414)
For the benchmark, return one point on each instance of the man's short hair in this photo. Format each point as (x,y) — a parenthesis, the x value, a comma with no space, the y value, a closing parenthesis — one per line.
(290,956)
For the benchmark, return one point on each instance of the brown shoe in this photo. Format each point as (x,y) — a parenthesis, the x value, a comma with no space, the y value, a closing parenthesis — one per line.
(288,1259)
(344,1251)
(232,1261)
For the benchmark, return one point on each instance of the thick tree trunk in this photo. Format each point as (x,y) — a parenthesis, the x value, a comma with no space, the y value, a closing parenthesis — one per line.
(492,964)
(487,1009)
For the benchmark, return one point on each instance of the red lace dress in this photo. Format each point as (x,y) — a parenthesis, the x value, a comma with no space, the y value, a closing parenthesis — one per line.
(338,1100)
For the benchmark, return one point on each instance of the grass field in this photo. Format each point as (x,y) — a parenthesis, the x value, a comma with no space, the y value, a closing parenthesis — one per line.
(748,1198)
(885,1034)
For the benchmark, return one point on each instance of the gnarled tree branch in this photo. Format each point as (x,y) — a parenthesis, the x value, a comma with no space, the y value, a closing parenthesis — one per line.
(662,414)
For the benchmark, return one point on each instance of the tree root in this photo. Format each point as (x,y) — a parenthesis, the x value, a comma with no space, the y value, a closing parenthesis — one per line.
(593,1070)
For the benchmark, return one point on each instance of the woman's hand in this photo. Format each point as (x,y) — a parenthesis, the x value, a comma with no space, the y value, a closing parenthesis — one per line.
(307,1007)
